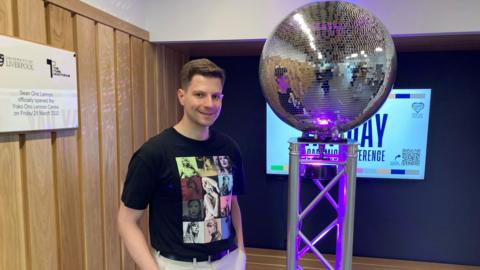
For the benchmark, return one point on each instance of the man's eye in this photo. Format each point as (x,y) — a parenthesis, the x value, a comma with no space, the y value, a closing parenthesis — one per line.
(199,94)
(217,97)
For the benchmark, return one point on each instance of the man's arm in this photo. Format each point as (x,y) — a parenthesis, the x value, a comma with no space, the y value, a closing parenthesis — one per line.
(133,237)
(237,223)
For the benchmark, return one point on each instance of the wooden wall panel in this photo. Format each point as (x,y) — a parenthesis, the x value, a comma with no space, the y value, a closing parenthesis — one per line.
(38,160)
(162,99)
(67,178)
(138,104)
(138,92)
(13,248)
(124,102)
(12,230)
(124,119)
(88,142)
(41,208)
(59,28)
(60,190)
(173,64)
(150,93)
(30,17)
(108,143)
(6,18)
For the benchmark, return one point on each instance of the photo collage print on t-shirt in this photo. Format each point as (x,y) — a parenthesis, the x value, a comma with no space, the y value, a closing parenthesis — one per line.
(206,184)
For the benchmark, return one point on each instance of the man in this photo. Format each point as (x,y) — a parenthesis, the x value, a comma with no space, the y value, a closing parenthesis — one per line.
(156,178)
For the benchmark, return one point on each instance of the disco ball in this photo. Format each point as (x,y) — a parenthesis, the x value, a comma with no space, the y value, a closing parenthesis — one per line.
(327,67)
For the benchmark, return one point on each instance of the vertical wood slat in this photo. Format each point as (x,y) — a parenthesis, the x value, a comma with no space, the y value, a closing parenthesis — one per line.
(60,35)
(38,160)
(150,96)
(12,237)
(6,17)
(108,143)
(31,20)
(88,142)
(41,209)
(138,92)
(138,104)
(172,83)
(13,248)
(162,113)
(182,59)
(124,119)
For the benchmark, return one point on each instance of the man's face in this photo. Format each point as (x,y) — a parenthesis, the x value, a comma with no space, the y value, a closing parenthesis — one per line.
(202,100)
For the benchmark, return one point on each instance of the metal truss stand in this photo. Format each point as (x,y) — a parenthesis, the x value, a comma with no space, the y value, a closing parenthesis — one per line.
(303,160)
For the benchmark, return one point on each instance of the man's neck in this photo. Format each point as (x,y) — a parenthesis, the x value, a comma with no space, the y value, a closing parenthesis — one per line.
(192,131)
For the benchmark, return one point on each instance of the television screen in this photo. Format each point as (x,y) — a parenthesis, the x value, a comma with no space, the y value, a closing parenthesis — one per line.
(391,144)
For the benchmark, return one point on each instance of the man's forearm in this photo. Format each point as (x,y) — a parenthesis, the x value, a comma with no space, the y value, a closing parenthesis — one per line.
(137,246)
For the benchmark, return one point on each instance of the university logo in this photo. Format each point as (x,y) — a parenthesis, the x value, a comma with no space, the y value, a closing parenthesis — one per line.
(2,59)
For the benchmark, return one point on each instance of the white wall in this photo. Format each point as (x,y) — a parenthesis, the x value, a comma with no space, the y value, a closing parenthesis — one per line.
(132,11)
(196,20)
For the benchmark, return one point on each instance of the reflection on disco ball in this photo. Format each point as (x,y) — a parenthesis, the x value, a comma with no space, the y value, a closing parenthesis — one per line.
(327,67)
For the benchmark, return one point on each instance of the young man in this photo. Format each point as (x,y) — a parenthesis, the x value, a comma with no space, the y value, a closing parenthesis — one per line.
(158,178)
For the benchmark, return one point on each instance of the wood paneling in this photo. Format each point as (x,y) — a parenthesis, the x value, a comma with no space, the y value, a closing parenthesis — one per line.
(124,119)
(13,248)
(60,28)
(40,197)
(30,18)
(6,19)
(67,178)
(97,15)
(108,143)
(138,92)
(138,103)
(88,142)
(38,161)
(60,190)
(12,226)
(162,97)
(174,61)
(150,93)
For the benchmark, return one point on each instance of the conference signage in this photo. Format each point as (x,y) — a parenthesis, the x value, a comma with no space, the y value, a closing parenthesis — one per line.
(392,143)
(38,87)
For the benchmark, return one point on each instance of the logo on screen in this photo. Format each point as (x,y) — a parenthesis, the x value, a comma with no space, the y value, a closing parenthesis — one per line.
(2,59)
(417,108)
(55,70)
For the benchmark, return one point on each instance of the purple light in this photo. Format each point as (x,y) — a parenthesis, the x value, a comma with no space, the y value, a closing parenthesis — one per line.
(323,122)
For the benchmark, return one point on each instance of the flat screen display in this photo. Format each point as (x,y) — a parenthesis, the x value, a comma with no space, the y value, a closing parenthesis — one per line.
(391,144)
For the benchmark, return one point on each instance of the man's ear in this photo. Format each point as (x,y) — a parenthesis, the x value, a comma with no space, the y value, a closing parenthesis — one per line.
(181,95)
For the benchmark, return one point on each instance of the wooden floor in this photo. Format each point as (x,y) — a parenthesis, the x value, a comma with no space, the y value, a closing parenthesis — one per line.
(267,259)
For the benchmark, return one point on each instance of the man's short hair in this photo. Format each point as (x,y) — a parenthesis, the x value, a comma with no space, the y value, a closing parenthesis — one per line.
(202,67)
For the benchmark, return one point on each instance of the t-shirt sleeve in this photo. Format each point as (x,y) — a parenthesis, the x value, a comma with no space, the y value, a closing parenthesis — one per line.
(238,172)
(139,185)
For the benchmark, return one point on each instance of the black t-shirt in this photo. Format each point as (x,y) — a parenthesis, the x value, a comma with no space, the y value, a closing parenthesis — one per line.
(187,185)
